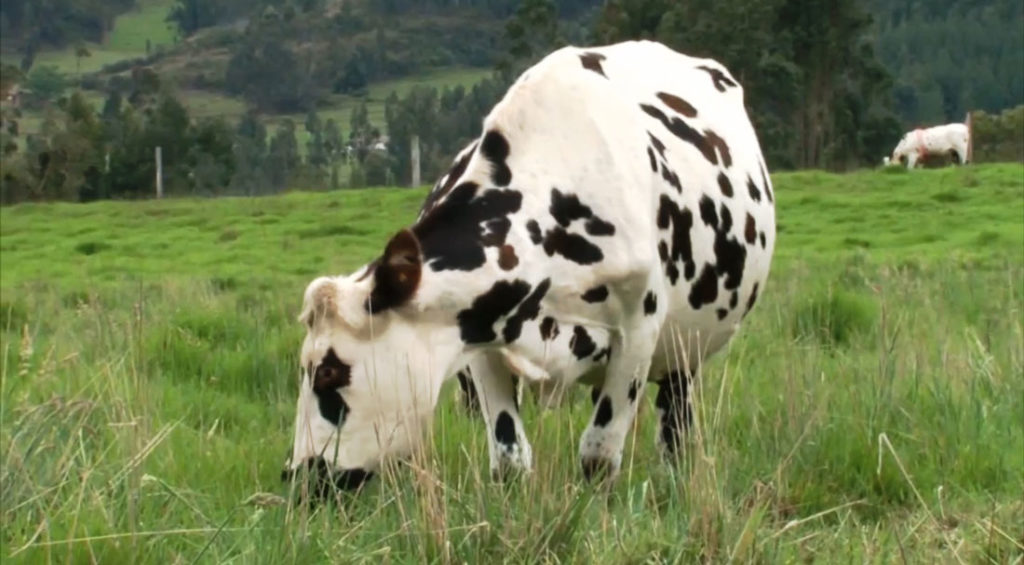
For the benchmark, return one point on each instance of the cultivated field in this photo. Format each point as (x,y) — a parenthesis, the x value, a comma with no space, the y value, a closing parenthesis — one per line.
(871,411)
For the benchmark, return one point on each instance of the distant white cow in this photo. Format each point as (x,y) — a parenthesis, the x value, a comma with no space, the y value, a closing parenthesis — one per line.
(946,140)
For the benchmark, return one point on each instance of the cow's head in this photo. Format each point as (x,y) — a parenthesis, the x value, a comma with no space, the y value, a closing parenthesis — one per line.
(371,368)
(901,152)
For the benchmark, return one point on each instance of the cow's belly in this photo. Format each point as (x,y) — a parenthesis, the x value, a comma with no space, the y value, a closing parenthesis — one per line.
(691,335)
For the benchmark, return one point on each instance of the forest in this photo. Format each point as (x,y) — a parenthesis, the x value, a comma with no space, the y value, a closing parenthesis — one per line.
(830,84)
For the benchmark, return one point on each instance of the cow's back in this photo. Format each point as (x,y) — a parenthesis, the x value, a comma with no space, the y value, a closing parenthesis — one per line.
(690,187)
(639,171)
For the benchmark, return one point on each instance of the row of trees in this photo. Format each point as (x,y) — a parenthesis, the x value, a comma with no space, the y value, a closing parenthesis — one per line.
(34,24)
(83,154)
(287,64)
(951,56)
(819,95)
(816,91)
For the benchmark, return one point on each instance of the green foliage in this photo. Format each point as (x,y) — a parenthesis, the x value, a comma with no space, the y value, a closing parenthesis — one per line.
(815,92)
(953,57)
(835,317)
(444,121)
(57,23)
(283,156)
(998,137)
(530,33)
(267,73)
(46,83)
(191,15)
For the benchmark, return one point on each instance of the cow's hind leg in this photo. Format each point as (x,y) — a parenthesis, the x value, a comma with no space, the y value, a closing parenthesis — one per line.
(603,440)
(470,399)
(675,415)
(497,391)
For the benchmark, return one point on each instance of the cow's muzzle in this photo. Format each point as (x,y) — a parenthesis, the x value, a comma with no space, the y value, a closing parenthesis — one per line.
(321,482)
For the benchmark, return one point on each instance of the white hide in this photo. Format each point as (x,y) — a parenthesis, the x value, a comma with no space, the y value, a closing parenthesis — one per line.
(941,140)
(584,133)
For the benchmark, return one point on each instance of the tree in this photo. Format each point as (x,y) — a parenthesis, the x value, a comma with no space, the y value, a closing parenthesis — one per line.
(316,154)
(332,140)
(530,34)
(354,76)
(266,72)
(361,134)
(283,157)
(413,115)
(81,52)
(211,156)
(250,151)
(46,83)
(812,83)
(189,16)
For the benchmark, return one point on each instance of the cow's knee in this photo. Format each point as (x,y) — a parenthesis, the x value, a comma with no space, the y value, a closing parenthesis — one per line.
(675,415)
(497,391)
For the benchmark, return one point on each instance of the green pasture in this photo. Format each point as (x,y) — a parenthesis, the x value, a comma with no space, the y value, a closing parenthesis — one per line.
(871,410)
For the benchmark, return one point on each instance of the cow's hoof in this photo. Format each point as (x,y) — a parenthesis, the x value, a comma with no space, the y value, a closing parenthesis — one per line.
(597,468)
(509,473)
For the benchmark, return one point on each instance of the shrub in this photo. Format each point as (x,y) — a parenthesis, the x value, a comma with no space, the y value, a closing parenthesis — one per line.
(835,317)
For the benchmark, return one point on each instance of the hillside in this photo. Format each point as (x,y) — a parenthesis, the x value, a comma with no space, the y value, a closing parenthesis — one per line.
(254,99)
(951,56)
(867,411)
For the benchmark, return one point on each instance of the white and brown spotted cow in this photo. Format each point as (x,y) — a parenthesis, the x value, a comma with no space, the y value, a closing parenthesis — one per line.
(614,220)
(946,141)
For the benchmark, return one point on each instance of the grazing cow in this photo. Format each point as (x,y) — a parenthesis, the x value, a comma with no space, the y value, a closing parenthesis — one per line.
(947,141)
(614,220)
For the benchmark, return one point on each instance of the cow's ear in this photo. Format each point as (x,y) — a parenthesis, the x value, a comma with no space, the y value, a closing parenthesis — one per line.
(398,273)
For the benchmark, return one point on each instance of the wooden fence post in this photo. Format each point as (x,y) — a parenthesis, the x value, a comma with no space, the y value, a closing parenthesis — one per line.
(159,174)
(970,138)
(415,158)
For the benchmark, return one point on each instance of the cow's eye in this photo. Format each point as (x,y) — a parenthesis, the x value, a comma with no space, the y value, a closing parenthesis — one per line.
(331,373)
(324,375)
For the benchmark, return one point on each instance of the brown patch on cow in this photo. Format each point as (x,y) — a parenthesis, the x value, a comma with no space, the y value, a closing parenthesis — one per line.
(725,185)
(592,62)
(719,144)
(751,230)
(718,77)
(398,274)
(751,300)
(678,104)
(658,145)
(507,258)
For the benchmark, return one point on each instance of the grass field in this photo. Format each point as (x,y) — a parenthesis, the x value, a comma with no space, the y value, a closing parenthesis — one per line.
(871,410)
(127,40)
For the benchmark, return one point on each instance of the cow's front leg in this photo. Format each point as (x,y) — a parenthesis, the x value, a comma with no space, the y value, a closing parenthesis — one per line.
(497,390)
(603,440)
